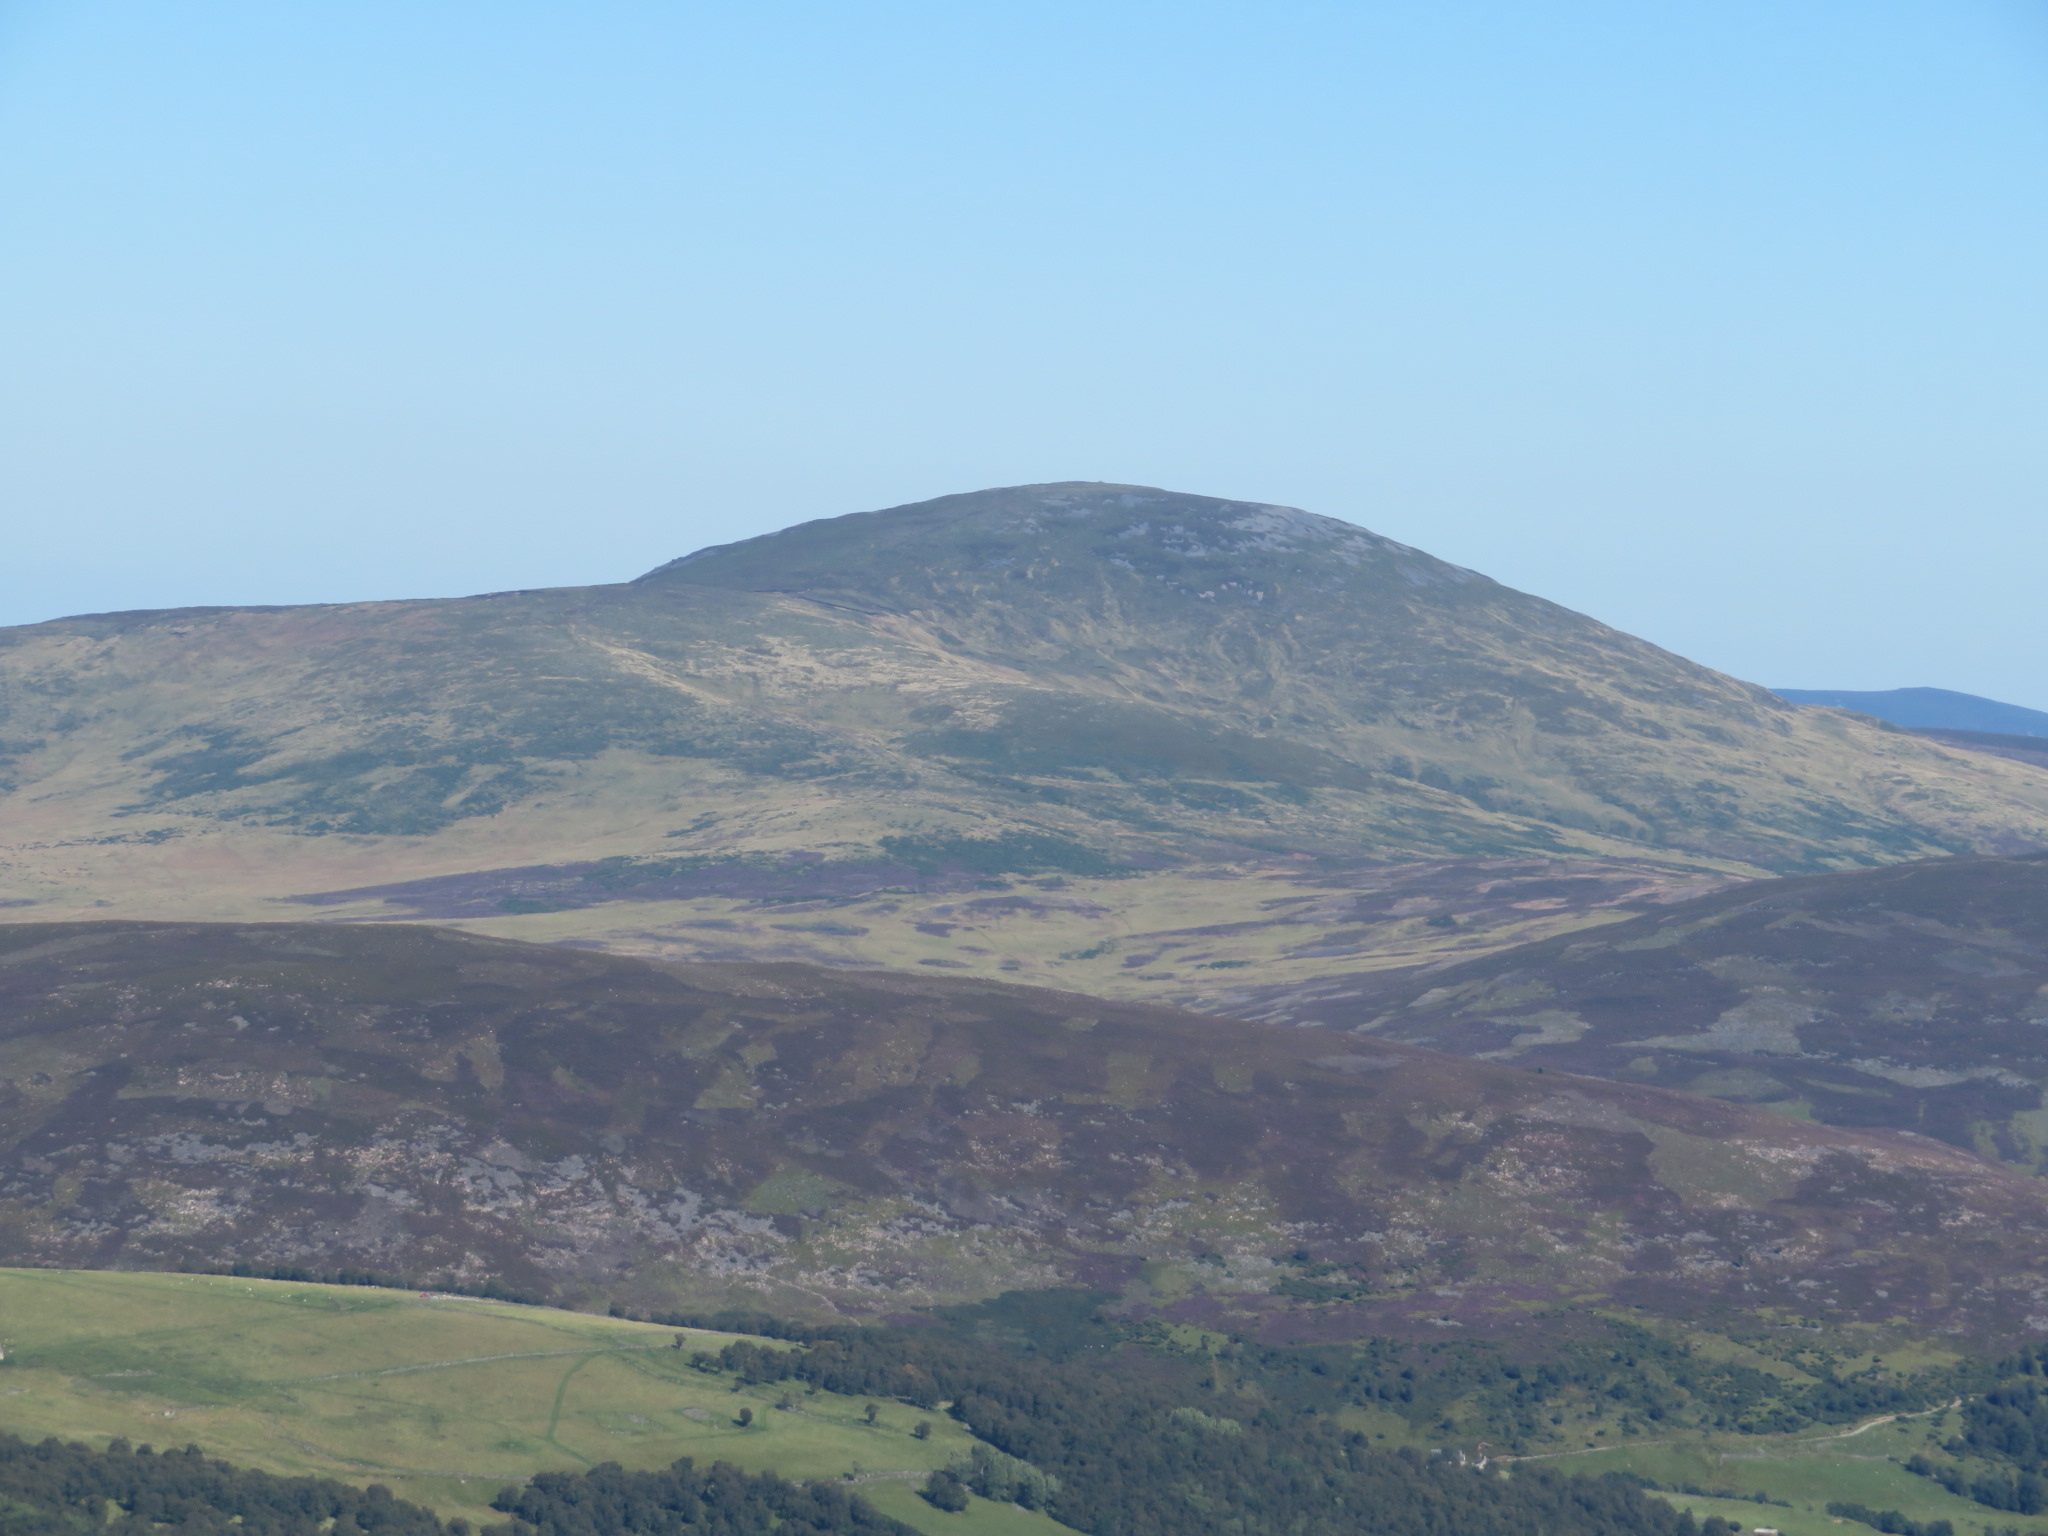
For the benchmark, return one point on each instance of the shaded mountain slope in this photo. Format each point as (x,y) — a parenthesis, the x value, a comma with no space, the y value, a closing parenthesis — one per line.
(409,1100)
(1914,997)
(1076,679)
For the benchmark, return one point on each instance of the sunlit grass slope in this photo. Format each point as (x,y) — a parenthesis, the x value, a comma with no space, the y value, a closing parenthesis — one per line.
(444,1399)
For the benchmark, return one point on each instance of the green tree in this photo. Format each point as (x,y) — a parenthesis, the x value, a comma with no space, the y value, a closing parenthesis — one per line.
(942,1490)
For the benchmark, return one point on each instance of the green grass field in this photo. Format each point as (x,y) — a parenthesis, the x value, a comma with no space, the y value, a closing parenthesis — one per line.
(1808,1471)
(443,1399)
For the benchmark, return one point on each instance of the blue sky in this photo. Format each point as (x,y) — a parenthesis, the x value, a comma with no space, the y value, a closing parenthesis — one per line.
(1724,323)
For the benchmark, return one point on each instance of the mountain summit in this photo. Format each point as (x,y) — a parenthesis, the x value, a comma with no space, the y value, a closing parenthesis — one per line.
(1079,679)
(1312,643)
(958,544)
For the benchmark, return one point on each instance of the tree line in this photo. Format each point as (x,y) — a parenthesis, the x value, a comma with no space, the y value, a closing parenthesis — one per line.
(718,1500)
(1890,1521)
(1122,1451)
(60,1488)
(1472,1390)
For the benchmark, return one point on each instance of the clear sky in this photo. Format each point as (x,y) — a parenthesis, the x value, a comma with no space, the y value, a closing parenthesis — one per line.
(1726,323)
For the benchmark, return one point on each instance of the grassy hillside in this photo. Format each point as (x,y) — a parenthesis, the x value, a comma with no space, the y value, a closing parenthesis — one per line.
(1071,681)
(443,1399)
(1909,998)
(442,1106)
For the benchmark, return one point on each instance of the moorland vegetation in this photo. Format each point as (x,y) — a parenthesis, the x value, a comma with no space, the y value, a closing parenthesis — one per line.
(1906,998)
(597,1129)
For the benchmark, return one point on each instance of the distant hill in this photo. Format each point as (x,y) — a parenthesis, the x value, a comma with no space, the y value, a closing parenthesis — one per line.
(1112,686)
(1930,709)
(411,1101)
(1910,998)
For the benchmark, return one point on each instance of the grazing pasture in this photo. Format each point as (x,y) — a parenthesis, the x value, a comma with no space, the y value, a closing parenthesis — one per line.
(444,1399)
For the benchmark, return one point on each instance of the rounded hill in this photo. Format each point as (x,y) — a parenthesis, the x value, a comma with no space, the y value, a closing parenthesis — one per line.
(1093,680)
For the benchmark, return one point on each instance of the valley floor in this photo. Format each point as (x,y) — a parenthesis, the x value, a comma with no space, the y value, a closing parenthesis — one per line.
(1803,1473)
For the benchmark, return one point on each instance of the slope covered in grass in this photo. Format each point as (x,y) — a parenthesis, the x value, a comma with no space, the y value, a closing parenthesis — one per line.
(444,1399)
